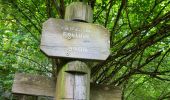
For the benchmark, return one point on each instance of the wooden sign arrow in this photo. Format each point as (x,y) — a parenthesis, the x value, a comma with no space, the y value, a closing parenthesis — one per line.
(37,85)
(70,39)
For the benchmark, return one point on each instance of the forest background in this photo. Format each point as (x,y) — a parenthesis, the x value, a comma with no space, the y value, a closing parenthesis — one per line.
(140,44)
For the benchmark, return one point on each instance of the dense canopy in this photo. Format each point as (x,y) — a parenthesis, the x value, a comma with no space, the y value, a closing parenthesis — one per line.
(140,44)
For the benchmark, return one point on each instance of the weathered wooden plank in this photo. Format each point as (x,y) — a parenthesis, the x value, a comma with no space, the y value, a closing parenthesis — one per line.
(27,97)
(29,87)
(33,85)
(70,39)
(81,87)
(105,92)
(76,66)
(73,81)
(79,11)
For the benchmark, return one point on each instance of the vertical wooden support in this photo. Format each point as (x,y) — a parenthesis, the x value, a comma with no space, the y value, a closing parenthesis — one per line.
(22,97)
(79,11)
(73,80)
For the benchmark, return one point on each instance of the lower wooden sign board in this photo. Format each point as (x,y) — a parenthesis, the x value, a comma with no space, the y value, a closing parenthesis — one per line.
(33,85)
(44,86)
(104,92)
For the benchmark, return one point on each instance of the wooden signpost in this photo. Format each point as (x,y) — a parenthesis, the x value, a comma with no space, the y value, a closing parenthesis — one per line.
(27,84)
(33,85)
(68,39)
(75,39)
(73,82)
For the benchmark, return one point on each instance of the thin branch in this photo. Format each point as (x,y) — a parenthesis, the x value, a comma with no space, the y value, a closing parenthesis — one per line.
(133,71)
(15,5)
(48,8)
(123,4)
(164,96)
(57,7)
(162,10)
(62,8)
(152,9)
(26,28)
(99,12)
(127,15)
(157,67)
(31,12)
(39,65)
(162,79)
(107,15)
(92,3)
(136,87)
(37,8)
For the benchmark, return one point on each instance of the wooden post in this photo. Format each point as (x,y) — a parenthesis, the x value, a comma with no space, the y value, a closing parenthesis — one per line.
(37,85)
(79,11)
(22,97)
(76,39)
(73,82)
(73,79)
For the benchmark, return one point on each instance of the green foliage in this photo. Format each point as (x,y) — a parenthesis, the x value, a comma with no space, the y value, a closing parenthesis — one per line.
(140,43)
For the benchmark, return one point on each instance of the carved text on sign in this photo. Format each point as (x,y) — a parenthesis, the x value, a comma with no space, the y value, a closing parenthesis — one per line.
(70,35)
(70,32)
(75,40)
(77,49)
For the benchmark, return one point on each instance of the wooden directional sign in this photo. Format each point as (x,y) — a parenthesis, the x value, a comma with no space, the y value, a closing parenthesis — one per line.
(33,85)
(70,39)
(44,86)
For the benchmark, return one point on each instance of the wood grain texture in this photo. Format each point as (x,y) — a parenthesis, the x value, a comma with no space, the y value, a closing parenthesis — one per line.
(70,39)
(79,11)
(97,92)
(77,67)
(73,81)
(105,92)
(33,85)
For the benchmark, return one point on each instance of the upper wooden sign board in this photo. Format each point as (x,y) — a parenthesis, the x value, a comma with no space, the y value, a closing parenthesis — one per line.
(70,39)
